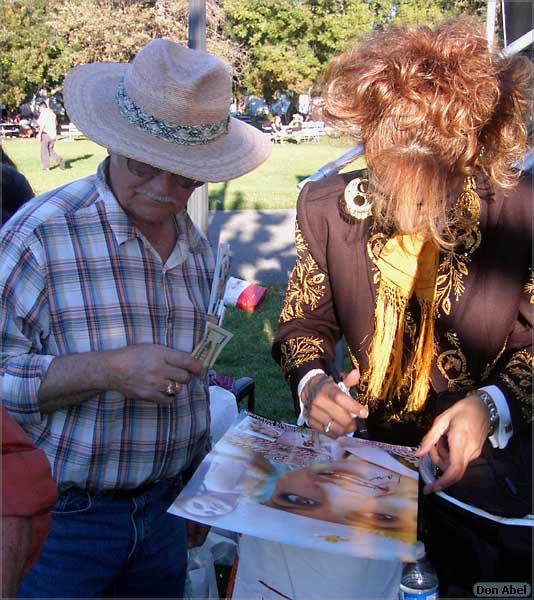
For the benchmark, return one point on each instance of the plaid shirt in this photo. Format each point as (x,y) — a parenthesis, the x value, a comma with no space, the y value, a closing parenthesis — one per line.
(77,276)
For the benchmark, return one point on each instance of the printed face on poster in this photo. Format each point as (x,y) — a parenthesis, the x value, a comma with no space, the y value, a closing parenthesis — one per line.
(293,485)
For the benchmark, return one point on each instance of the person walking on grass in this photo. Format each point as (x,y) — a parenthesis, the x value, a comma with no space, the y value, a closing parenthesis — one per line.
(47,135)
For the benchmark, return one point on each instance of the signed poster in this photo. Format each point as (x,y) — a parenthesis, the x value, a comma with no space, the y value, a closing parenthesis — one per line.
(296,486)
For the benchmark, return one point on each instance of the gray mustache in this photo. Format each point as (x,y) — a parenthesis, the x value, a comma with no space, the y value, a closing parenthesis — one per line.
(158,198)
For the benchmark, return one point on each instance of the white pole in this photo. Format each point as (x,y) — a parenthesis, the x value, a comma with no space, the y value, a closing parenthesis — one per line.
(503,13)
(520,44)
(334,166)
(490,21)
(198,203)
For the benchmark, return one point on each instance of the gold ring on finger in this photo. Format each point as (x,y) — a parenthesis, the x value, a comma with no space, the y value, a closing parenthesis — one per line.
(171,388)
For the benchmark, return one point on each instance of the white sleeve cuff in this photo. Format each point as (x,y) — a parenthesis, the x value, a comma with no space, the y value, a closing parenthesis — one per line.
(303,416)
(505,430)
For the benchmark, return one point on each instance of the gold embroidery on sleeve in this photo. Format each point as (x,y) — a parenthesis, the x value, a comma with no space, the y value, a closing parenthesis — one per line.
(452,364)
(453,264)
(297,351)
(529,288)
(305,286)
(518,377)
(490,366)
(353,359)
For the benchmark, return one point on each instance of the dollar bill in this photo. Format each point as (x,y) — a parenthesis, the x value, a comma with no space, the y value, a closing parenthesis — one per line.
(211,345)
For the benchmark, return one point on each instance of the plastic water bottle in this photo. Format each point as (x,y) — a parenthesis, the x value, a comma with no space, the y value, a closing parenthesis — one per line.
(419,580)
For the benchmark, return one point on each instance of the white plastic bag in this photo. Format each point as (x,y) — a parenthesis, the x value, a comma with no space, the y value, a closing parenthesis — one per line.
(201,580)
(223,407)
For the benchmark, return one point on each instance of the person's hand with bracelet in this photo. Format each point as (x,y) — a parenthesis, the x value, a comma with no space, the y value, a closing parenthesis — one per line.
(457,437)
(326,408)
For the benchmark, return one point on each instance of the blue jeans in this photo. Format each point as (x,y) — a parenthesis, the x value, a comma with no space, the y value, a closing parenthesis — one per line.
(101,546)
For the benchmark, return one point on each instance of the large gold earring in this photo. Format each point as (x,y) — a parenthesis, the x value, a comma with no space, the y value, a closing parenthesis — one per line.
(355,204)
(468,204)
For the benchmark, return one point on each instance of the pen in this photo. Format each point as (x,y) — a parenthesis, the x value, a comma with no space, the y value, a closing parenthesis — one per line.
(361,423)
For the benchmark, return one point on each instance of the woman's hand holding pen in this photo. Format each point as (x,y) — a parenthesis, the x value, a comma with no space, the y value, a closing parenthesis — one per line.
(330,410)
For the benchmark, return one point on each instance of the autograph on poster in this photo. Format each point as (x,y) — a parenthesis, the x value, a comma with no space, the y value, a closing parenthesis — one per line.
(292,485)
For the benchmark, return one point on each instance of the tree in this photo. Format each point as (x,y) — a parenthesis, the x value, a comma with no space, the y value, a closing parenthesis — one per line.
(290,40)
(274,33)
(172,23)
(42,39)
(29,50)
(270,44)
(101,30)
(419,12)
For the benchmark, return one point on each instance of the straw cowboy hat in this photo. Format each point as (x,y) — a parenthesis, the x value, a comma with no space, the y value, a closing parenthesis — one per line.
(168,108)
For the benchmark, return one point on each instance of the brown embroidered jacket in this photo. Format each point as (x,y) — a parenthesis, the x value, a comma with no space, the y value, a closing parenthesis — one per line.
(484,295)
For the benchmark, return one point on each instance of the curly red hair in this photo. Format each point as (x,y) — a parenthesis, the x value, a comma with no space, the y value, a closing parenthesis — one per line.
(430,106)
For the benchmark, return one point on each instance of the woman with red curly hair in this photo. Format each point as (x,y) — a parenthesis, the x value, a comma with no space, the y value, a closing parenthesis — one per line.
(423,260)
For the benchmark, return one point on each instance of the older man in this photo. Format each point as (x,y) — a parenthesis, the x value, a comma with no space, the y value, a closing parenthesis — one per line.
(105,285)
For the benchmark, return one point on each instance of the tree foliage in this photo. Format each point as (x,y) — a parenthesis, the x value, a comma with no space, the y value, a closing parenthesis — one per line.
(29,50)
(100,30)
(43,39)
(290,41)
(419,12)
(115,30)
(270,44)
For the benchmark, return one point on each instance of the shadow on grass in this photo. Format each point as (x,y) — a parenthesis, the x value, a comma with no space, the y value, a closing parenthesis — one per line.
(249,354)
(70,161)
(219,200)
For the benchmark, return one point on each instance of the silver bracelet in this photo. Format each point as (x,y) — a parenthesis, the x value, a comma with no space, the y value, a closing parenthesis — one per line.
(492,409)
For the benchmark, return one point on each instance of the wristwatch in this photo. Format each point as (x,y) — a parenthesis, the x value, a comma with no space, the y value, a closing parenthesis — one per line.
(492,409)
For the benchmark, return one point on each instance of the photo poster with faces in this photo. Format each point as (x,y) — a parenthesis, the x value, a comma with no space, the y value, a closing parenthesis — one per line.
(296,486)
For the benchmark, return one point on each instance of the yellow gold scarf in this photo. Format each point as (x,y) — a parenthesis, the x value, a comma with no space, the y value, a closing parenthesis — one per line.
(408,264)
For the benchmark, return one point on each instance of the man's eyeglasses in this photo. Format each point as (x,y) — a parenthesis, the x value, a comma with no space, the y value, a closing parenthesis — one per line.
(144,171)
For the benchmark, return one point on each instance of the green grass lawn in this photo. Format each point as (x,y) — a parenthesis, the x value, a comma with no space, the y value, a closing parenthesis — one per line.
(249,354)
(81,156)
(272,185)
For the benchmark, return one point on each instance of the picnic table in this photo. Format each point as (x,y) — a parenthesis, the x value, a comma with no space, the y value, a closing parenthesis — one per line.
(9,130)
(71,132)
(311,131)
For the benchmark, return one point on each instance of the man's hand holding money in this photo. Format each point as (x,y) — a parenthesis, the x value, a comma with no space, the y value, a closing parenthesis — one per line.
(150,372)
(214,340)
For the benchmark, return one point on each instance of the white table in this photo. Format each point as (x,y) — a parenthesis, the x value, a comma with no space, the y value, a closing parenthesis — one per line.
(271,571)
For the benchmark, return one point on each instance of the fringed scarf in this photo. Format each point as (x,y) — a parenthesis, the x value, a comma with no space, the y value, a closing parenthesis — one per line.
(407,264)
